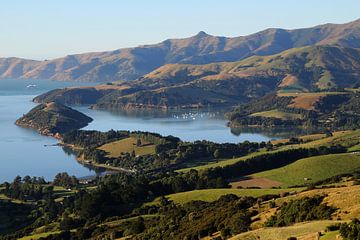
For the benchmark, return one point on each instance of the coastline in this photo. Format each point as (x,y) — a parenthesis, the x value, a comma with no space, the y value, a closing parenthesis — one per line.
(93,164)
(74,148)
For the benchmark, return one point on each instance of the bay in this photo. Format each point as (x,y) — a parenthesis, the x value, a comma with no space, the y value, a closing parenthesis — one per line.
(24,151)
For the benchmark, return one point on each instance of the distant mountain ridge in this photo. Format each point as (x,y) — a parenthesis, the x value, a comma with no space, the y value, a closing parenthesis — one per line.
(132,63)
(306,69)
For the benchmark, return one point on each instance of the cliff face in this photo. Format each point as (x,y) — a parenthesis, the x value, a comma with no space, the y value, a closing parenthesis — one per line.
(53,119)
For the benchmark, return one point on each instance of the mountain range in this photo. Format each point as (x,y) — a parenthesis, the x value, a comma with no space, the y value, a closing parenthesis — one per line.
(132,63)
(306,69)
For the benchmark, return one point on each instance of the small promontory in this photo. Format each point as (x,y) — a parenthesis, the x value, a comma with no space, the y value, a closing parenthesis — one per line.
(53,119)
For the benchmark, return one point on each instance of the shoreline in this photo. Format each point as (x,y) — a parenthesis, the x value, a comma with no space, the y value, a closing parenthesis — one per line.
(99,165)
(92,163)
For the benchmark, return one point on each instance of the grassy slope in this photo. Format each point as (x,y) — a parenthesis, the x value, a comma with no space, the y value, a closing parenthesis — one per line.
(354,148)
(209,195)
(297,230)
(315,168)
(54,118)
(122,221)
(306,138)
(330,235)
(3,197)
(346,138)
(222,163)
(278,114)
(307,100)
(39,235)
(127,145)
(345,199)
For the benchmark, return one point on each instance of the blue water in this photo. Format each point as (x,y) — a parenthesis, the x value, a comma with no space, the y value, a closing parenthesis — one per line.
(188,126)
(22,151)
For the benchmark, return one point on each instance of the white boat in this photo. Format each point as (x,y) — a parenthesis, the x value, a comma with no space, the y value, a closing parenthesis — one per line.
(31,86)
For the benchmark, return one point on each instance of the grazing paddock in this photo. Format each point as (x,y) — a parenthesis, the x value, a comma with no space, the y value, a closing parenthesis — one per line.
(249,182)
(278,114)
(344,138)
(345,199)
(306,100)
(210,195)
(224,163)
(313,169)
(303,231)
(305,138)
(127,145)
(39,235)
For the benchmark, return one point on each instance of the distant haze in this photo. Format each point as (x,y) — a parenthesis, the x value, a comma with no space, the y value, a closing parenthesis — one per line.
(45,29)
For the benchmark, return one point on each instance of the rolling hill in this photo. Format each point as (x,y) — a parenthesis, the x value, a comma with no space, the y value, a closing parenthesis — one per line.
(53,118)
(306,69)
(132,63)
(313,169)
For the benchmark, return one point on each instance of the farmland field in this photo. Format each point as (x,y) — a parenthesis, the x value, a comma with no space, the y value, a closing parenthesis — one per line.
(255,182)
(344,138)
(127,145)
(278,114)
(209,195)
(306,100)
(39,235)
(306,230)
(222,163)
(314,169)
(345,199)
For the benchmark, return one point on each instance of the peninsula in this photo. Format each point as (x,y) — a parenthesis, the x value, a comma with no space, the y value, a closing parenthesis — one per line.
(53,119)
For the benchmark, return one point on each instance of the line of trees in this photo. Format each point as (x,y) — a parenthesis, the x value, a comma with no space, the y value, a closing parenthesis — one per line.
(27,188)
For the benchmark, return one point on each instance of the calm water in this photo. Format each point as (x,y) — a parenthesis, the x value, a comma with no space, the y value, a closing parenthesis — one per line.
(23,151)
(189,126)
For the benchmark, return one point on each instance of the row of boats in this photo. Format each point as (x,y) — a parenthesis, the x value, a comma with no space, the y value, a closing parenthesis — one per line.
(194,116)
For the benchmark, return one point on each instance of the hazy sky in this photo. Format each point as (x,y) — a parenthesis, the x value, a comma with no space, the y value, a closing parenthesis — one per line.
(52,28)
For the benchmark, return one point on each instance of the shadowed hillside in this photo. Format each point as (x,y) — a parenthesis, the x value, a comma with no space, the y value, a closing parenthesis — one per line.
(53,118)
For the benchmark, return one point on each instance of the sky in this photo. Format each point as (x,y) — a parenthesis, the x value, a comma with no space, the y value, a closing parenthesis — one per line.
(45,29)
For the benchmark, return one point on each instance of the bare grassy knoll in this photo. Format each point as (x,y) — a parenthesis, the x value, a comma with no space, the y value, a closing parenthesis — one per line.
(278,114)
(210,195)
(127,145)
(303,231)
(306,100)
(346,199)
(248,182)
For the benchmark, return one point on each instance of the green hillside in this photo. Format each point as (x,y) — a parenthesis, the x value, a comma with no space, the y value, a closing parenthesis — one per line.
(52,118)
(314,169)
(210,195)
(278,114)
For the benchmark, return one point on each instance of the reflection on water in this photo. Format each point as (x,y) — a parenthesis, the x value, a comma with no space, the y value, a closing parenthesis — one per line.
(71,153)
(189,125)
(275,132)
(179,114)
(23,151)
